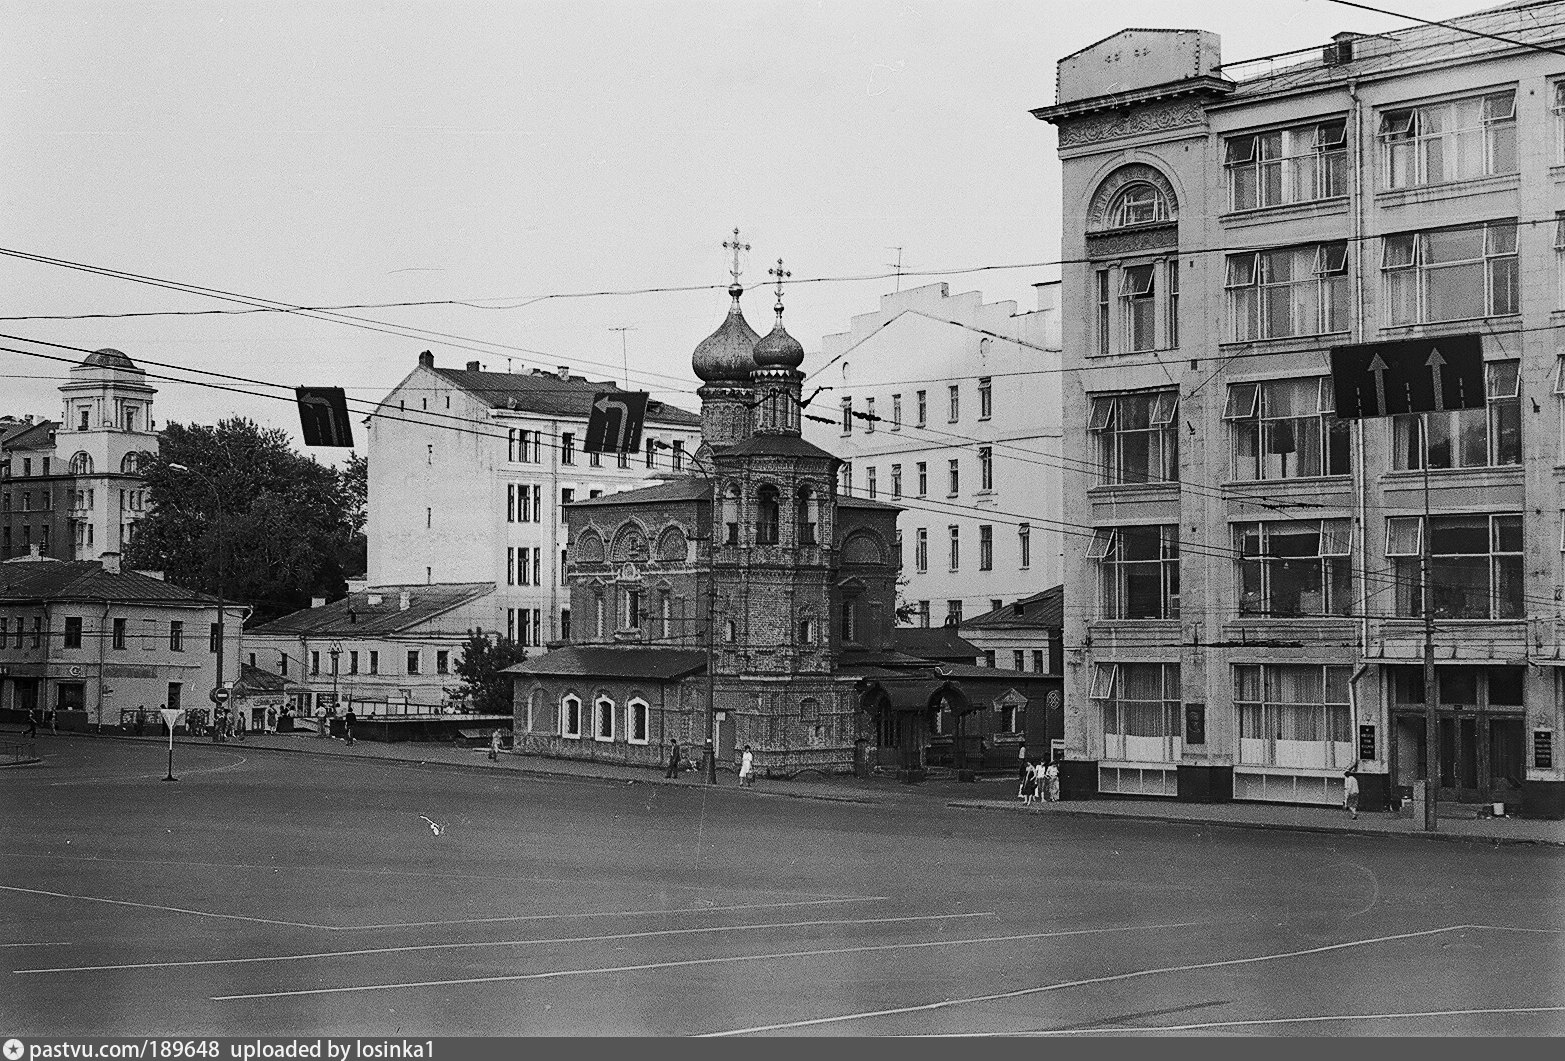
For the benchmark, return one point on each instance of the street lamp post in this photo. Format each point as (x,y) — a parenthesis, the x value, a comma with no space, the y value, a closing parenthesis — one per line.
(335,652)
(222,632)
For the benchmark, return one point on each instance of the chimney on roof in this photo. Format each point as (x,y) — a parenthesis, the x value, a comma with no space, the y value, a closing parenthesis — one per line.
(404,601)
(32,551)
(472,366)
(375,598)
(563,371)
(1340,51)
(1017,608)
(427,359)
(317,602)
(358,585)
(28,418)
(111,563)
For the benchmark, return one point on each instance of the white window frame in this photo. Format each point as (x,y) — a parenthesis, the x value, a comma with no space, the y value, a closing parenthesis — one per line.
(1106,548)
(1334,546)
(1309,162)
(1404,548)
(637,710)
(1414,133)
(1106,692)
(1266,729)
(1318,293)
(1500,419)
(570,710)
(604,710)
(1249,412)
(1406,260)
(1105,419)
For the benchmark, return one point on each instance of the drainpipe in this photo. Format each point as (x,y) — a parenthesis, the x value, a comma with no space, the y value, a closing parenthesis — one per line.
(103,627)
(1360,473)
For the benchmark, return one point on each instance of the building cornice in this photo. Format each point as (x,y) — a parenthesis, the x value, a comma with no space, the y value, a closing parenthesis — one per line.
(1205,86)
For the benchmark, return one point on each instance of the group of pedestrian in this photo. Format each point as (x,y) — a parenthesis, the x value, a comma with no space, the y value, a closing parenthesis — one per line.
(1040,782)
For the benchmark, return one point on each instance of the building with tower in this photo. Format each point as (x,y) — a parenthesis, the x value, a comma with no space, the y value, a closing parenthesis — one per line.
(745,601)
(72,490)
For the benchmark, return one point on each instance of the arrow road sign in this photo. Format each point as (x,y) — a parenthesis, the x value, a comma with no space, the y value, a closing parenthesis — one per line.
(323,416)
(614,422)
(1408,376)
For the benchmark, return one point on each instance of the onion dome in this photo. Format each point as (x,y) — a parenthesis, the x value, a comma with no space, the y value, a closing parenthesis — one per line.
(728,354)
(779,349)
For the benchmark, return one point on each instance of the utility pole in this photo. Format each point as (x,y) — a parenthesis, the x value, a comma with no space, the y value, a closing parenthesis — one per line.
(1431,694)
(624,355)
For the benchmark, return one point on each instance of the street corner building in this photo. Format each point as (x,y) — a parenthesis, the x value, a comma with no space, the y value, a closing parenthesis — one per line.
(1246,618)
(100,646)
(745,600)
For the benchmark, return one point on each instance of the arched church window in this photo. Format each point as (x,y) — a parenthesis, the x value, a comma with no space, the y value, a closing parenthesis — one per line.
(131,463)
(1138,204)
(81,464)
(804,515)
(730,517)
(768,516)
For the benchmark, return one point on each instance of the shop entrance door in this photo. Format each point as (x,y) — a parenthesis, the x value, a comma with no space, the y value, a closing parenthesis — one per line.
(1459,737)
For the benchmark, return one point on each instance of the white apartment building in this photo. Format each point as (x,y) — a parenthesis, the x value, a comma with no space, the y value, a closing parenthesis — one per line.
(1246,621)
(950,407)
(468,473)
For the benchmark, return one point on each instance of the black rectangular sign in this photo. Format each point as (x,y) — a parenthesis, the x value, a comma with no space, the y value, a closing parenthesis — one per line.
(1543,749)
(323,416)
(1367,743)
(1408,376)
(614,422)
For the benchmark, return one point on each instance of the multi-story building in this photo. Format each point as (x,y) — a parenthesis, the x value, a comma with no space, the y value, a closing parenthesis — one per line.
(1245,620)
(950,407)
(97,644)
(469,473)
(73,489)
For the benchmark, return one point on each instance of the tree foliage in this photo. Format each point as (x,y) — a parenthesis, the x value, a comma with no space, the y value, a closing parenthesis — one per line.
(483,658)
(281,523)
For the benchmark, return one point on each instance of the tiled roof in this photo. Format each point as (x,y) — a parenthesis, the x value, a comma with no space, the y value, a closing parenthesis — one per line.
(1041,611)
(549,395)
(33,436)
(376,611)
(610,661)
(934,642)
(254,680)
(50,580)
(850,501)
(692,489)
(777,445)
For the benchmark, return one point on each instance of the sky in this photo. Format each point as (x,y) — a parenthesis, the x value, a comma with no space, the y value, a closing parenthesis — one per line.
(511,156)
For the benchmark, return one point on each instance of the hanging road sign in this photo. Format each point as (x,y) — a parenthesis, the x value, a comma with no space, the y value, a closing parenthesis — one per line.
(614,422)
(323,416)
(1408,376)
(170,716)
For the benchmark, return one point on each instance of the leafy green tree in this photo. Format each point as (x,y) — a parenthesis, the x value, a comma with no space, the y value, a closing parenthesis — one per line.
(355,479)
(282,522)
(484,657)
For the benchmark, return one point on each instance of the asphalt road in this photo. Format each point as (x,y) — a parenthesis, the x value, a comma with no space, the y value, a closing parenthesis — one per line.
(270,894)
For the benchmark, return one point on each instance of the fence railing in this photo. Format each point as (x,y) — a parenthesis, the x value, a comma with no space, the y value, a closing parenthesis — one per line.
(13,750)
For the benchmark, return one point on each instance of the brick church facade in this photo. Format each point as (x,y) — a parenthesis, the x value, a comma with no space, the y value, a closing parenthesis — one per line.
(750,563)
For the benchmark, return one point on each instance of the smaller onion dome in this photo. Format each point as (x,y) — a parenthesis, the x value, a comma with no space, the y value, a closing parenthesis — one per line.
(727,355)
(779,349)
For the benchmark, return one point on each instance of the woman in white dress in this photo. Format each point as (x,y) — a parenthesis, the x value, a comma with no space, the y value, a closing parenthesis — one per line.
(746,766)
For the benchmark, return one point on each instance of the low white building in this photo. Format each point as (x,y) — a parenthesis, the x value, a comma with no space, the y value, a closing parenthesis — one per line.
(389,650)
(950,407)
(468,471)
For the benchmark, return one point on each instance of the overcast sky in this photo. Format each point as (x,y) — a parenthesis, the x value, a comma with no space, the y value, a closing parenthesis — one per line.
(332,153)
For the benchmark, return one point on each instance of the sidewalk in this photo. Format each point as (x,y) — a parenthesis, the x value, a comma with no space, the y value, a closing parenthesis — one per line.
(994,795)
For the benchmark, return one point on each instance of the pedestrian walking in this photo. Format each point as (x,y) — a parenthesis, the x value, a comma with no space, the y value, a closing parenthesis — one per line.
(32,722)
(1350,793)
(239,724)
(746,767)
(347,724)
(217,725)
(54,729)
(1051,781)
(1029,785)
(673,760)
(494,746)
(141,719)
(322,725)
(1024,764)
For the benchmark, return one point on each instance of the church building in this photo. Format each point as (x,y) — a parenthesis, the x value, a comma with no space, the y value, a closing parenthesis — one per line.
(743,602)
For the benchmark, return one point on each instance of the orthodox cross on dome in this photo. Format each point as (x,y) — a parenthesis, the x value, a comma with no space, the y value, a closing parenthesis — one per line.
(782,275)
(738,248)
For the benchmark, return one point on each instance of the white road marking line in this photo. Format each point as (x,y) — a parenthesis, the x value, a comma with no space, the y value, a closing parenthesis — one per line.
(390,873)
(1119,1028)
(946,1003)
(614,913)
(500,943)
(60,944)
(153,906)
(188,771)
(459,921)
(553,973)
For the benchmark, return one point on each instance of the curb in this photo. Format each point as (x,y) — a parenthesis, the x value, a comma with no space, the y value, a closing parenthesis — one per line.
(1460,838)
